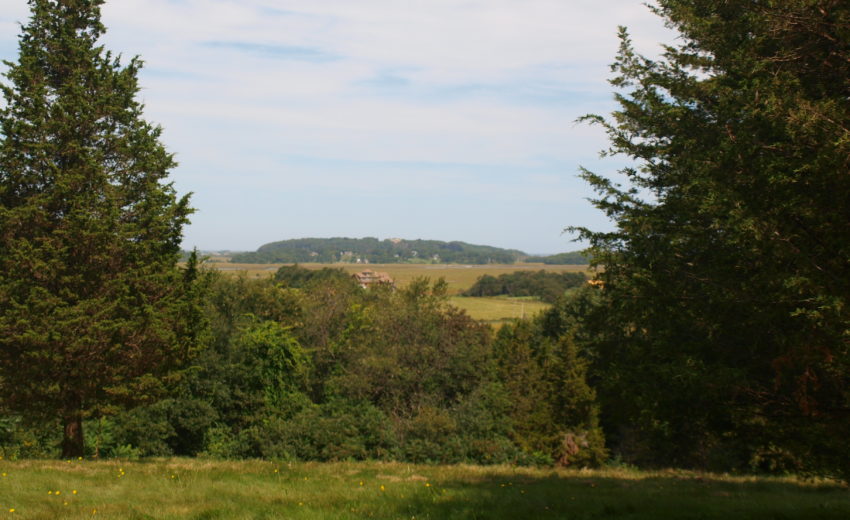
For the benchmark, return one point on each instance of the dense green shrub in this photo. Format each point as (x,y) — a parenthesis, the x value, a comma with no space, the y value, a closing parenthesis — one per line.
(299,277)
(333,431)
(22,440)
(330,371)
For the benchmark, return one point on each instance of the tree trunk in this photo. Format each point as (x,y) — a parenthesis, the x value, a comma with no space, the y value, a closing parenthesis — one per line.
(72,440)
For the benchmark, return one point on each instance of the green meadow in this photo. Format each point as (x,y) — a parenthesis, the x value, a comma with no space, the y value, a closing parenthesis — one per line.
(496,310)
(203,489)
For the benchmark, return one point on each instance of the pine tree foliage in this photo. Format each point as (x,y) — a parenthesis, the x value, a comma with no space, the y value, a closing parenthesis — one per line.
(727,323)
(553,411)
(90,228)
(582,442)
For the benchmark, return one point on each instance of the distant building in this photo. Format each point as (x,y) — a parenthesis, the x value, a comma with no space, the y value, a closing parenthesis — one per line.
(368,278)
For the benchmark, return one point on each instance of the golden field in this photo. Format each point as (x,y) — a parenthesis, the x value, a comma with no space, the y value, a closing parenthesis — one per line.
(459,276)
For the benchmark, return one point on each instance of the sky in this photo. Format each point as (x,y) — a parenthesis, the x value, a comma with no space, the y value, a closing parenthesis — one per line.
(432,119)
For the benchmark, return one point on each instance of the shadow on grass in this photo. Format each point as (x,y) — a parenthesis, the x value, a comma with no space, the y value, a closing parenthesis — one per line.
(577,497)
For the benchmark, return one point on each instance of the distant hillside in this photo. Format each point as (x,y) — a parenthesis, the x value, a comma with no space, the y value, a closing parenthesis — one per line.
(372,250)
(392,251)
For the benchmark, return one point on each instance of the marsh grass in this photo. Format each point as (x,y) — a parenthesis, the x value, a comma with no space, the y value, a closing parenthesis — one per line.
(495,310)
(458,276)
(203,489)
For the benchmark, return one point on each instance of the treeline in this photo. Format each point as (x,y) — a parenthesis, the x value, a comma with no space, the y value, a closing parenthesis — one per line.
(547,286)
(320,369)
(330,250)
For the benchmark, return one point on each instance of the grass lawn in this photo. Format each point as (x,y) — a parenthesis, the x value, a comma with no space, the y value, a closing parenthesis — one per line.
(199,489)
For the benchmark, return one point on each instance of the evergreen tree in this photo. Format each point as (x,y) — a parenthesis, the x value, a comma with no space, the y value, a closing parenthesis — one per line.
(90,297)
(553,409)
(576,409)
(523,365)
(725,315)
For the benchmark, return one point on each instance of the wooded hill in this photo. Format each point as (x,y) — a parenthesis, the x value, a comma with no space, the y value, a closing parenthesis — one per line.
(390,251)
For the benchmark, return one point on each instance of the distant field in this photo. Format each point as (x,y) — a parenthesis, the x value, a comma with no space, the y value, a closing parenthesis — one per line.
(459,277)
(168,489)
(498,309)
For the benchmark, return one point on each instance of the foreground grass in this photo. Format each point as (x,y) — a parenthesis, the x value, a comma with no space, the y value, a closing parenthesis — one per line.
(198,489)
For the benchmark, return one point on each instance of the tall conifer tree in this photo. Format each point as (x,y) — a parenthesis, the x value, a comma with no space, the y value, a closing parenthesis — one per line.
(90,228)
(725,334)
